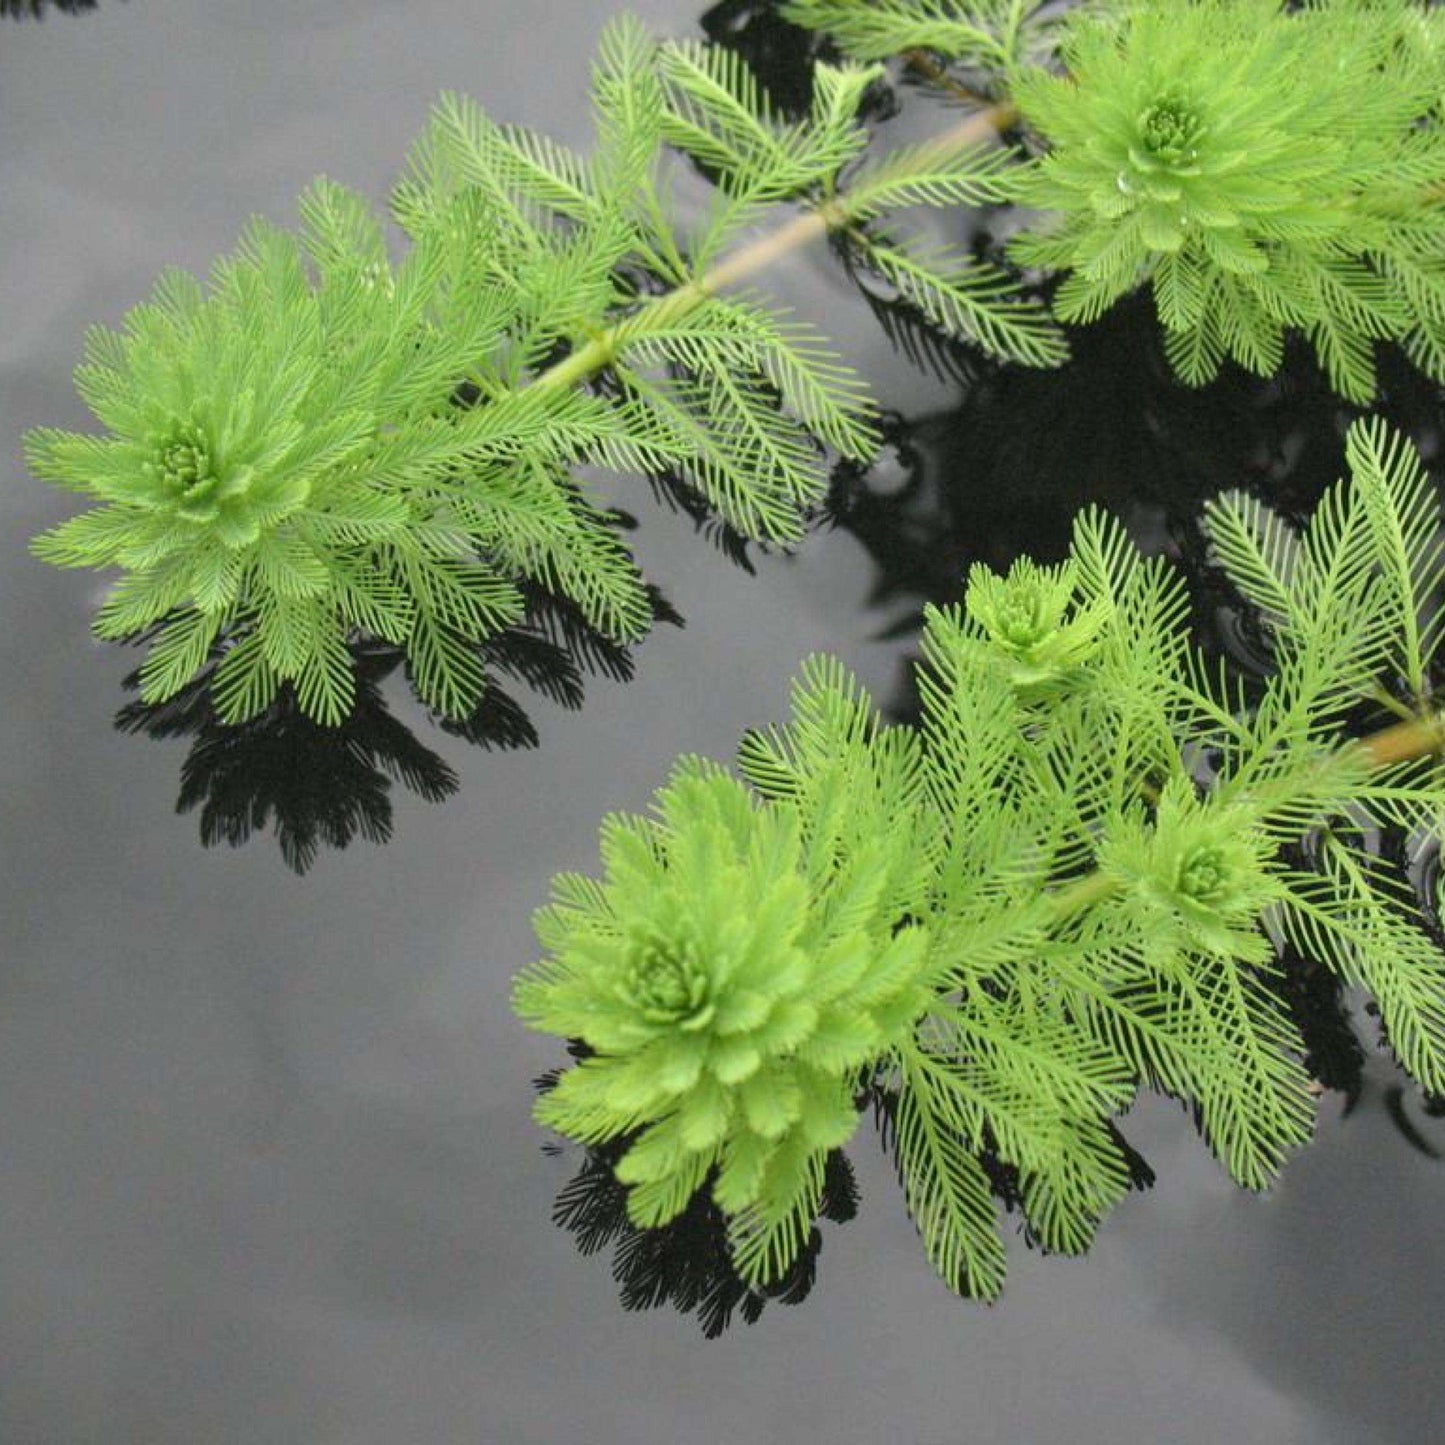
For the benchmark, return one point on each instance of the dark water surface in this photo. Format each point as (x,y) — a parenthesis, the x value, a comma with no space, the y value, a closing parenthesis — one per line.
(269,1175)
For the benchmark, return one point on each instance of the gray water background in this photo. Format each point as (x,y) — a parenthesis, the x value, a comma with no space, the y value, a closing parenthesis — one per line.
(267,1170)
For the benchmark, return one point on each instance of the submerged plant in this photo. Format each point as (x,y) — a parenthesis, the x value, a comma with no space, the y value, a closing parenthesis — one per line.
(1070,881)
(328,447)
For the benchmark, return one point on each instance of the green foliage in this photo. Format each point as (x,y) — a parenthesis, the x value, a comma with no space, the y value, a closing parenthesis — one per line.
(992,34)
(727,1002)
(1201,147)
(327,446)
(277,470)
(1077,870)
(1026,617)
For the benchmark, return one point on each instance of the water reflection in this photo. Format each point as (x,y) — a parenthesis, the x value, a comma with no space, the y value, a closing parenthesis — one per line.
(318,787)
(780,54)
(1004,469)
(685,1264)
(21,9)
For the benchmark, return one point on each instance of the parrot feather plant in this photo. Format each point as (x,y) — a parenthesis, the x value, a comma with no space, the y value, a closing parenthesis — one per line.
(1205,150)
(1074,879)
(326,446)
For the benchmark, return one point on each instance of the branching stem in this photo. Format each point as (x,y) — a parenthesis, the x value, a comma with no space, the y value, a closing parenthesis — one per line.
(1399,743)
(1079,895)
(926,66)
(756,257)
(1404,741)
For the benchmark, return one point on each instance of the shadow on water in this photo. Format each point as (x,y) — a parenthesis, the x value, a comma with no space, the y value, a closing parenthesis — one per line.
(1003,471)
(37,9)
(686,1263)
(322,786)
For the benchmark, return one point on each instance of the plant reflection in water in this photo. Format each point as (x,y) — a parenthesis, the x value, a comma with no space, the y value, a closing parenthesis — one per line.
(327,786)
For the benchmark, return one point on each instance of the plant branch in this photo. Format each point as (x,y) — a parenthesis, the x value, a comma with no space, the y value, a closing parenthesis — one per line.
(924,65)
(1403,742)
(756,257)
(1082,893)
(1399,743)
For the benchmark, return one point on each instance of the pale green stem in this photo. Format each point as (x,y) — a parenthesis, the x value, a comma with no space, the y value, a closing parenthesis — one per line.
(1080,895)
(1400,743)
(1390,703)
(756,257)
(922,63)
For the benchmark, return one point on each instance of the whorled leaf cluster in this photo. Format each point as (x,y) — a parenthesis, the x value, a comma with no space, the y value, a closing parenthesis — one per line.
(1075,878)
(1204,149)
(727,1012)
(328,446)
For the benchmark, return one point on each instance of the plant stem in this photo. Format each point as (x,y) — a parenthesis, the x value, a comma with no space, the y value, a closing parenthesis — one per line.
(1399,743)
(756,257)
(923,64)
(1083,893)
(1403,741)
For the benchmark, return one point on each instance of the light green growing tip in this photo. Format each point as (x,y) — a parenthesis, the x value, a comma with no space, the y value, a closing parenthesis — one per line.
(1202,867)
(728,1011)
(1261,168)
(1031,620)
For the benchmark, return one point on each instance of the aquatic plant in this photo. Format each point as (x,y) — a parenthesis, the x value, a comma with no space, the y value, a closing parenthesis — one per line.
(1078,872)
(1199,148)
(991,35)
(327,447)
(1203,149)
(726,1010)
